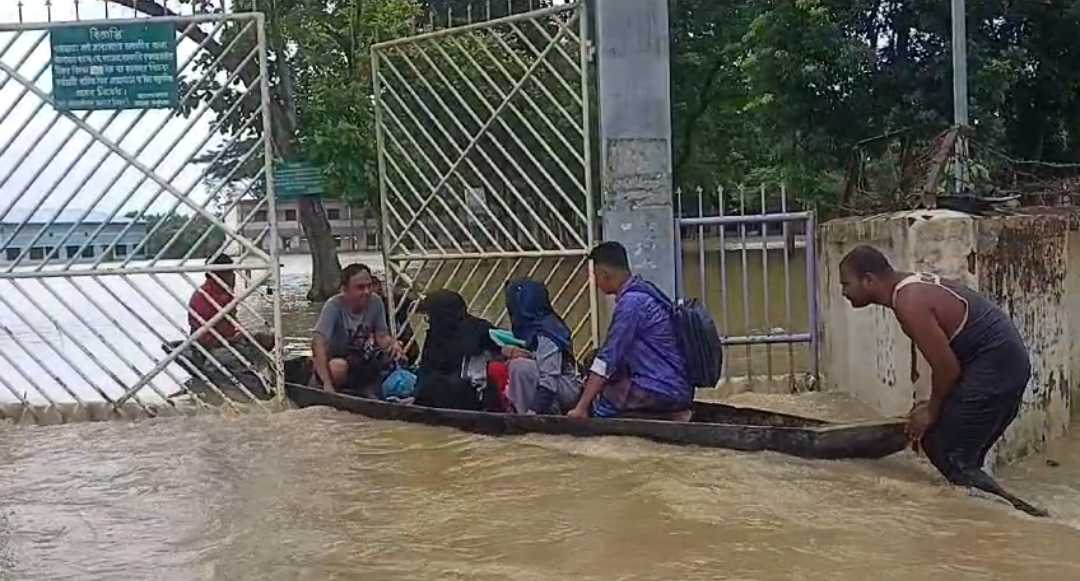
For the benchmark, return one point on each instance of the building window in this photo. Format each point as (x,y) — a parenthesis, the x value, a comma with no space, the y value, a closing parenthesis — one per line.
(290,215)
(121,250)
(88,252)
(372,240)
(260,216)
(37,253)
(337,241)
(49,250)
(12,253)
(72,251)
(333,214)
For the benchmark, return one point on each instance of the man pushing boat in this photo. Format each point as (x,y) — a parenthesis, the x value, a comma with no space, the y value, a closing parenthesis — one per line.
(979,364)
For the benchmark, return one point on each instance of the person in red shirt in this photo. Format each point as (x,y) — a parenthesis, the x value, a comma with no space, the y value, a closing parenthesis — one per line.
(207,301)
(218,289)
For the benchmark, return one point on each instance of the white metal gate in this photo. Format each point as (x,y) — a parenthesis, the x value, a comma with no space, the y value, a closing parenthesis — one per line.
(110,220)
(485,162)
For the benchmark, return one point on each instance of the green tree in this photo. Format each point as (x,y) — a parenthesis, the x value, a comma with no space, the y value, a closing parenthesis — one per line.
(320,103)
(785,88)
(190,240)
(764,91)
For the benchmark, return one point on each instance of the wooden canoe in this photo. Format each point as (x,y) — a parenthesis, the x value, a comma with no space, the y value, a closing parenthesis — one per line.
(714,425)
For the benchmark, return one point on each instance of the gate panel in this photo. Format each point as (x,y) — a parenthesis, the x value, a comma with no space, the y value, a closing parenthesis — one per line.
(485,162)
(111,221)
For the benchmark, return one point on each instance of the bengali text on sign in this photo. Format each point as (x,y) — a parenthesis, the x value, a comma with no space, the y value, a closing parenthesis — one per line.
(117,66)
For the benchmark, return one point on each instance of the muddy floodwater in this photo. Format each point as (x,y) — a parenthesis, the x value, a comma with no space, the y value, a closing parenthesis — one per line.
(322,495)
(318,494)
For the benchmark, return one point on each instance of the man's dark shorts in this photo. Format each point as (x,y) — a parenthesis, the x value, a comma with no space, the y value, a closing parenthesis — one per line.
(972,419)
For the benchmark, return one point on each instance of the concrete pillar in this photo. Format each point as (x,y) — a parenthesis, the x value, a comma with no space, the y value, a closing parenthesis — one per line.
(635,134)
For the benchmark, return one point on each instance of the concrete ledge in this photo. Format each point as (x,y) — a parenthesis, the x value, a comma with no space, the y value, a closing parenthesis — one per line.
(67,413)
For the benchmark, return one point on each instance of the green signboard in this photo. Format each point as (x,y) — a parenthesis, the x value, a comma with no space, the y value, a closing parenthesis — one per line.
(114,66)
(296,179)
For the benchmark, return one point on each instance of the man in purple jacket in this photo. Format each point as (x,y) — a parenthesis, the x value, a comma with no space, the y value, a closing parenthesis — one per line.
(640,371)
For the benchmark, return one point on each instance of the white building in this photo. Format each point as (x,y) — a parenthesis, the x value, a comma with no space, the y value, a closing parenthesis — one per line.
(354,229)
(69,236)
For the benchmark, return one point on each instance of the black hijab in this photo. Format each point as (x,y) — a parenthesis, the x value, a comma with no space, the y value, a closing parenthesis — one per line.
(453,334)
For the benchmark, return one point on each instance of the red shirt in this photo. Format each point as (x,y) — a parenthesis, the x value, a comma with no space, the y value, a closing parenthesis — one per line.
(200,304)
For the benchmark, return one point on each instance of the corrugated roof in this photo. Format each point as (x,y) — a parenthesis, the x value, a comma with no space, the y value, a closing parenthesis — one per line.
(66,216)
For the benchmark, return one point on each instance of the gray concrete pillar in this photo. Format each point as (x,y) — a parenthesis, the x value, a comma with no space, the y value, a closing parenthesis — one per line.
(635,134)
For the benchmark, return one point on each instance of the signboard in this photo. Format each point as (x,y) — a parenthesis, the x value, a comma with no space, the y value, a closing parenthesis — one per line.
(297,179)
(114,66)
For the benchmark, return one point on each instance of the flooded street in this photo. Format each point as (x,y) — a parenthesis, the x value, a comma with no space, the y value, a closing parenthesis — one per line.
(318,494)
(166,164)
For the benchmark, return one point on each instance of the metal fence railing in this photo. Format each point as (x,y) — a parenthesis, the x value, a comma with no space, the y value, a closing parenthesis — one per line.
(748,255)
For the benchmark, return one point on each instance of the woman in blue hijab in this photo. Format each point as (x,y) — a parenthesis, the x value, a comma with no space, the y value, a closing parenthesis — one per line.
(547,382)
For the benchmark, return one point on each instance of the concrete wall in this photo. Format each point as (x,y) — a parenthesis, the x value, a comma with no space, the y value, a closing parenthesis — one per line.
(1018,261)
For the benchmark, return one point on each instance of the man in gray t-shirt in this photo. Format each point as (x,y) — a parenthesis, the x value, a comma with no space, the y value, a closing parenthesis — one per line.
(351,327)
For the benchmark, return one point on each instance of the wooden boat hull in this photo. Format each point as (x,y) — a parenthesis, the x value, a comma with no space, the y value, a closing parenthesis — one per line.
(715,426)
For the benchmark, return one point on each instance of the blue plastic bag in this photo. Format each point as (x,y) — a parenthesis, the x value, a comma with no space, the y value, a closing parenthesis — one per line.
(400,384)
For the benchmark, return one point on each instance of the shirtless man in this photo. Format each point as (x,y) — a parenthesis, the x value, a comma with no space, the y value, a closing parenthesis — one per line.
(979,364)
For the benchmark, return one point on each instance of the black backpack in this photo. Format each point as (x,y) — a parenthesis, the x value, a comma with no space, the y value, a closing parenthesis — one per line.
(699,342)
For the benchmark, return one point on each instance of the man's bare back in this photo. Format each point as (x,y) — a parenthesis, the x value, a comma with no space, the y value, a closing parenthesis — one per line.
(947,309)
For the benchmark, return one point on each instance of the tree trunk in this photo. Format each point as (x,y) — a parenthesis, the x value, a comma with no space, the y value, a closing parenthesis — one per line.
(325,268)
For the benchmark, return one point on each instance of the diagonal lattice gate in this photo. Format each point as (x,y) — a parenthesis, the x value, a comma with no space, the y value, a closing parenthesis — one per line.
(113,220)
(485,162)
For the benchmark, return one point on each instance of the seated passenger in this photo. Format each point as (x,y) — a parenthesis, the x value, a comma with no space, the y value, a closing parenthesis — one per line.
(546,381)
(351,345)
(457,349)
(640,370)
(209,300)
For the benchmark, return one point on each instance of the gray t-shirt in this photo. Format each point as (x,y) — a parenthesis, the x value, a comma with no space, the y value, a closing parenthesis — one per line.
(337,324)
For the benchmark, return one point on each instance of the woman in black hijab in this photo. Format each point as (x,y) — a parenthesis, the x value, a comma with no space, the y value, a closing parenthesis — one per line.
(453,365)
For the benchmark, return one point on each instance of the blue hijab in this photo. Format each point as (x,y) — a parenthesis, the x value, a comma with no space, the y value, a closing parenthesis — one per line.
(531,315)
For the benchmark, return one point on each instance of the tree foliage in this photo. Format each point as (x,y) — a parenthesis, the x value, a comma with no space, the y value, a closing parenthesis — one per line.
(199,238)
(319,96)
(333,85)
(762,90)
(785,88)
